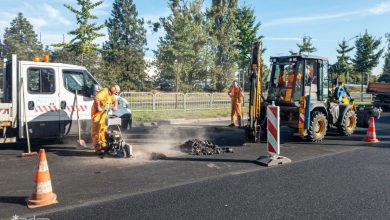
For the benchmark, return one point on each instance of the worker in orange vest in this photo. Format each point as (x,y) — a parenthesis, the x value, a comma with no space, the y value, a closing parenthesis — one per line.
(291,78)
(281,80)
(104,100)
(236,94)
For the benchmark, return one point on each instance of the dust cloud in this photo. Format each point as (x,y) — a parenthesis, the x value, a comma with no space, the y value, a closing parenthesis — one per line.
(165,141)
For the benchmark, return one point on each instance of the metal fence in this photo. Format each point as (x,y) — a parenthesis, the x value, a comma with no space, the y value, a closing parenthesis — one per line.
(359,97)
(147,101)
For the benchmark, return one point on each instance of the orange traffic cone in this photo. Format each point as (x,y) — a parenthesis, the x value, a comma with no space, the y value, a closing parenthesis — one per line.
(371,134)
(43,194)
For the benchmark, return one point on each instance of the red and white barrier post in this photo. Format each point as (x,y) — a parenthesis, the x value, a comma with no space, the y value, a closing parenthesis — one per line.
(273,139)
(273,134)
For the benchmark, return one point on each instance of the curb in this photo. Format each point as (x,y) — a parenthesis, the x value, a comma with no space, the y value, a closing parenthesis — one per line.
(178,121)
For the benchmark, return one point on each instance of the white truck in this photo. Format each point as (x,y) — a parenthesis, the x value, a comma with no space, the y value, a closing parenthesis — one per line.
(43,94)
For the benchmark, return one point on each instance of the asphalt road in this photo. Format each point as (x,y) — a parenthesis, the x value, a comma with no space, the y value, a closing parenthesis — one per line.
(341,178)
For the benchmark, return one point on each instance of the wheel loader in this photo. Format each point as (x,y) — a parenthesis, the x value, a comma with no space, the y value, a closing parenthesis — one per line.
(300,85)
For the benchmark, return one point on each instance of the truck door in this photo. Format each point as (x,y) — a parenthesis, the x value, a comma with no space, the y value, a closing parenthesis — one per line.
(40,87)
(83,82)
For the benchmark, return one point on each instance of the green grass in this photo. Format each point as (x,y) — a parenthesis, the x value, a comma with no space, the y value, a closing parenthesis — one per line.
(180,114)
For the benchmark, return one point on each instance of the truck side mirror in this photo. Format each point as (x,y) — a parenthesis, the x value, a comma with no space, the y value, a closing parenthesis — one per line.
(95,90)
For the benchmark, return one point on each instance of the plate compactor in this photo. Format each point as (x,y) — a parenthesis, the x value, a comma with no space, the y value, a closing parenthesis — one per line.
(116,146)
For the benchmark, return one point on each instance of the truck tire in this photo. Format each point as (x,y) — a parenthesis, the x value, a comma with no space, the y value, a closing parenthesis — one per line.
(318,126)
(348,124)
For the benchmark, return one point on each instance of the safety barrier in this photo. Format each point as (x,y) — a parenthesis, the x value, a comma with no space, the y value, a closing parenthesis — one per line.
(147,101)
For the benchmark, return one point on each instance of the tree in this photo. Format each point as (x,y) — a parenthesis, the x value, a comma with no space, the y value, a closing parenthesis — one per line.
(343,59)
(82,44)
(222,16)
(385,76)
(367,55)
(247,29)
(183,54)
(63,55)
(1,49)
(306,46)
(21,39)
(123,53)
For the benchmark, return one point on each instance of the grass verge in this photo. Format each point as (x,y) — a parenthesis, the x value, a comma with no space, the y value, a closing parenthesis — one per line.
(180,114)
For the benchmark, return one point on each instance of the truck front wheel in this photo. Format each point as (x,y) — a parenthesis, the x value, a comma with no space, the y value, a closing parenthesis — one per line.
(318,126)
(348,124)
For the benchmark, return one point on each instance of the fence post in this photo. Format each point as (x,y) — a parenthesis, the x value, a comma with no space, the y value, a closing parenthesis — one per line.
(185,102)
(211,100)
(153,102)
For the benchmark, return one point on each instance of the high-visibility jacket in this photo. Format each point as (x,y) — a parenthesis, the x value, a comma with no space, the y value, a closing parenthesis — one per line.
(281,81)
(236,94)
(104,100)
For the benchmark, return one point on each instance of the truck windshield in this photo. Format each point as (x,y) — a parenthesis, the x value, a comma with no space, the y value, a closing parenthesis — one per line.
(285,82)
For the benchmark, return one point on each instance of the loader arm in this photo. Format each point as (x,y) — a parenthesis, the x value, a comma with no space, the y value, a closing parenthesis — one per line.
(255,80)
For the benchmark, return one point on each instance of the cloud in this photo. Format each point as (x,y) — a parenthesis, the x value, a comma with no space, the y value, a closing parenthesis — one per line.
(55,14)
(378,9)
(381,8)
(38,22)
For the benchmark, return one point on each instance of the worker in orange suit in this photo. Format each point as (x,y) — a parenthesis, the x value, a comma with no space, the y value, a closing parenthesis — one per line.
(235,92)
(281,80)
(291,78)
(104,100)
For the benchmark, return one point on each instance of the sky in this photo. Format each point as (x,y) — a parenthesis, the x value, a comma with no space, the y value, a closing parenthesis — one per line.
(283,23)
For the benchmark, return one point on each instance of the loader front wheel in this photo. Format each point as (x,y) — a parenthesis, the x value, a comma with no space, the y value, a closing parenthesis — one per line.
(318,126)
(348,124)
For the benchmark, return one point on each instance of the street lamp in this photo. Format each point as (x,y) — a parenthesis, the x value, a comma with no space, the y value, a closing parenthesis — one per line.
(177,76)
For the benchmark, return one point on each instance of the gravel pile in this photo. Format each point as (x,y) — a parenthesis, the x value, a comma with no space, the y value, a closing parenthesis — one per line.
(203,147)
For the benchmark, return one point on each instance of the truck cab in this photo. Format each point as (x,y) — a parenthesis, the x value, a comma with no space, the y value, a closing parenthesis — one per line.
(43,94)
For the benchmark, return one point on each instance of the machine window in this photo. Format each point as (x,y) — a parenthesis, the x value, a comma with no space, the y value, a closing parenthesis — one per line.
(40,80)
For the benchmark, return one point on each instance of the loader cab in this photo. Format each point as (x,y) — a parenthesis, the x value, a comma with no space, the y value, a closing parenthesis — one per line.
(294,76)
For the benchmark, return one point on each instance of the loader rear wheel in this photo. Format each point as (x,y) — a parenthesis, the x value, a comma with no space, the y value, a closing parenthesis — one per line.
(348,124)
(318,126)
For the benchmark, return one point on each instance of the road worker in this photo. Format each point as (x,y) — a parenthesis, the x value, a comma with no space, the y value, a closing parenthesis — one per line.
(341,93)
(236,94)
(104,100)
(291,77)
(281,80)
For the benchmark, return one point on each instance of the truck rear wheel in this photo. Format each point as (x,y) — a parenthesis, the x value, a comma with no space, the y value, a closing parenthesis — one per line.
(348,124)
(318,126)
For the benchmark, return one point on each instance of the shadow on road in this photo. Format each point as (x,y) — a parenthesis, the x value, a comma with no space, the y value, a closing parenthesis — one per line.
(21,200)
(209,160)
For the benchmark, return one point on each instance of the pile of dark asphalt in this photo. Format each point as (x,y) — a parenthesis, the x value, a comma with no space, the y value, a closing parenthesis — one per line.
(203,147)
